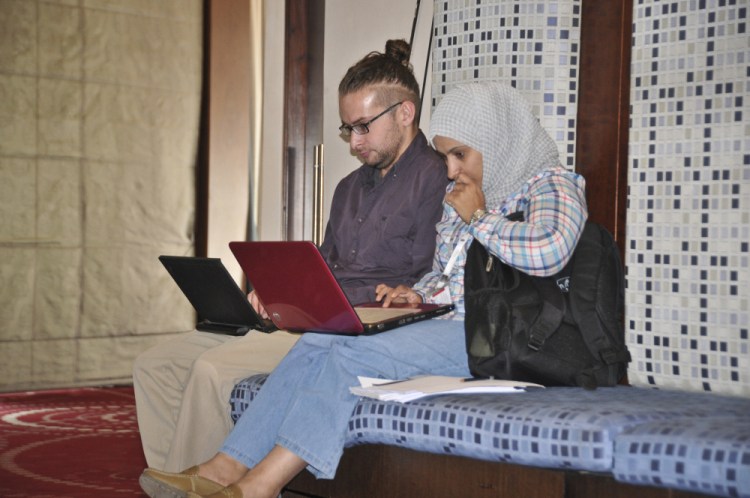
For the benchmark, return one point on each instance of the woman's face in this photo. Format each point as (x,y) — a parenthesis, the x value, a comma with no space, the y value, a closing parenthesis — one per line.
(460,159)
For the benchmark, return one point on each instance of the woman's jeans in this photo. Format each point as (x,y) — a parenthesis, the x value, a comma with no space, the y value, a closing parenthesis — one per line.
(305,404)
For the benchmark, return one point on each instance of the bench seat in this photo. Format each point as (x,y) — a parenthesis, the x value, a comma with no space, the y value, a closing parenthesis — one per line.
(621,431)
(709,455)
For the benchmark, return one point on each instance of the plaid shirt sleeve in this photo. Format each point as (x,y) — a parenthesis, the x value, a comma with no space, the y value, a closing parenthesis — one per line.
(554,208)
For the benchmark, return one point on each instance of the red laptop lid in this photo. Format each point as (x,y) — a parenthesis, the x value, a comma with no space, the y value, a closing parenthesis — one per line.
(296,286)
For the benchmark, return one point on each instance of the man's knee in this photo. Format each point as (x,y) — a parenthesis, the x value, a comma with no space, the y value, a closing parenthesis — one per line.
(143,363)
(155,357)
(205,370)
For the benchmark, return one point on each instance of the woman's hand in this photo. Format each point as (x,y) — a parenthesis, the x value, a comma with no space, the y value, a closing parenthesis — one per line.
(466,197)
(400,294)
(256,304)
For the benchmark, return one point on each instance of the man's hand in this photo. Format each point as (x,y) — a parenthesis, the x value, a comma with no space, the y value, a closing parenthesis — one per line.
(401,294)
(466,197)
(257,306)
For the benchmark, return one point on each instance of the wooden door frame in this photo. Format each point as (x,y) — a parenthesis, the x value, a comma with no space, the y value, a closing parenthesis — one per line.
(222,163)
(303,112)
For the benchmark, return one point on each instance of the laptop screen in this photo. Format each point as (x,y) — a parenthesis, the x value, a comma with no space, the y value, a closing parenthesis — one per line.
(300,292)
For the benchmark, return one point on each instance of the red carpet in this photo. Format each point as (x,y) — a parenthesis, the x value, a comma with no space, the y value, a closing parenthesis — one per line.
(71,443)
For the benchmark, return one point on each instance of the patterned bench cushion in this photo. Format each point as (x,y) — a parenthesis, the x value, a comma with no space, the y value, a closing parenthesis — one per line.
(559,427)
(703,455)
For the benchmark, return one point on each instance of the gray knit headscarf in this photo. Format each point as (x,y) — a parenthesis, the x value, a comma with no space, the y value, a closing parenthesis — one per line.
(496,120)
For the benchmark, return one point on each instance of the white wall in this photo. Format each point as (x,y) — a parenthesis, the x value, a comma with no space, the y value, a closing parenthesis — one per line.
(270,215)
(353,28)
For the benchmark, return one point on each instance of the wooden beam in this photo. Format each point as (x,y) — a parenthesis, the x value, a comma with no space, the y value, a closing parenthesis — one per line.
(603,110)
(223,172)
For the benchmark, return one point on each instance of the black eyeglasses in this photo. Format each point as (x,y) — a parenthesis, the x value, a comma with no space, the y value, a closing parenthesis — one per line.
(363,128)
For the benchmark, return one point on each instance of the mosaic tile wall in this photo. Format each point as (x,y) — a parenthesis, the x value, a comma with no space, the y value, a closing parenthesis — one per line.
(530,44)
(689,210)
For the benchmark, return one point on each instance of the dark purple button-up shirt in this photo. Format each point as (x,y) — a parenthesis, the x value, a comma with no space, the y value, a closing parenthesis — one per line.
(382,230)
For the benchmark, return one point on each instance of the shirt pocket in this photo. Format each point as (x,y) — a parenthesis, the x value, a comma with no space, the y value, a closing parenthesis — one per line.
(397,235)
(397,228)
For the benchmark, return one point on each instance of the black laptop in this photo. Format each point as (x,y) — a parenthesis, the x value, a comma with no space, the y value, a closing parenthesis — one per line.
(222,307)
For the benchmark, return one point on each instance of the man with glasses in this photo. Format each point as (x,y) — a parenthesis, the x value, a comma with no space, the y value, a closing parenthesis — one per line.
(383,215)
(381,229)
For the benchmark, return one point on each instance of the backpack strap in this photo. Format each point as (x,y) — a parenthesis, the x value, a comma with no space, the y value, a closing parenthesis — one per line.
(551,315)
(553,307)
(597,263)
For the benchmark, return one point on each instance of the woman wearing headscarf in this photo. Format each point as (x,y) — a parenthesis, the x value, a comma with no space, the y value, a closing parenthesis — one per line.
(501,162)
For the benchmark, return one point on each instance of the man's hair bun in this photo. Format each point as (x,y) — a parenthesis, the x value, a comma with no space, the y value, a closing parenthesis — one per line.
(399,50)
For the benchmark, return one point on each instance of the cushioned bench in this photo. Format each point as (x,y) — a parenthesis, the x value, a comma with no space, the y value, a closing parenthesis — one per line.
(684,440)
(705,454)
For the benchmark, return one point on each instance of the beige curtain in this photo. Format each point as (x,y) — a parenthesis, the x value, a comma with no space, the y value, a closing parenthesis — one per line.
(99,111)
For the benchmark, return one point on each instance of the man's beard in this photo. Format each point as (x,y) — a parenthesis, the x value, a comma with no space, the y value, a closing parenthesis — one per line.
(387,156)
(382,164)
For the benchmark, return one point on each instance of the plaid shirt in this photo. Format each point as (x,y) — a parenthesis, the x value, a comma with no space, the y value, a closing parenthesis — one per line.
(554,208)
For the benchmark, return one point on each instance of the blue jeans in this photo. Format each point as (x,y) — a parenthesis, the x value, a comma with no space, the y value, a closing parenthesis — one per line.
(305,404)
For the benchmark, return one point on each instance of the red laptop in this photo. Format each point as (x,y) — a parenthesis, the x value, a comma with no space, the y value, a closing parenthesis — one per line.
(300,293)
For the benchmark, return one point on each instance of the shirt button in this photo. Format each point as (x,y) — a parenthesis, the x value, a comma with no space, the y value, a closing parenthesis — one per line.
(360,220)
(354,251)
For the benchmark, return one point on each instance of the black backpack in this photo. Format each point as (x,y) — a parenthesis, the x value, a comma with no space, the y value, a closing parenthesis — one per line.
(563,330)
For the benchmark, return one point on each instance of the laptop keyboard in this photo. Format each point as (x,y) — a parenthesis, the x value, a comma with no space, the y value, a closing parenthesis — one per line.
(372,315)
